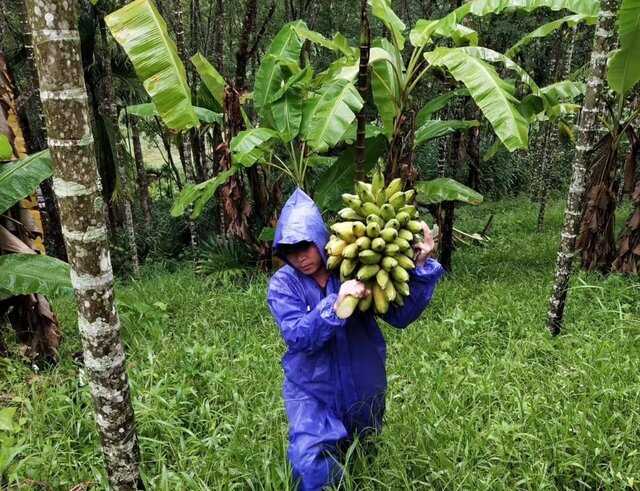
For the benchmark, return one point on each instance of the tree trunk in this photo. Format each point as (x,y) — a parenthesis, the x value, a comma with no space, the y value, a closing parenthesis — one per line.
(447,246)
(401,154)
(110,112)
(141,173)
(242,54)
(628,260)
(551,140)
(77,189)
(363,89)
(603,40)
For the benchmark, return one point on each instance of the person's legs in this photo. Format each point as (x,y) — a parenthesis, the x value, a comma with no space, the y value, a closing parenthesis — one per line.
(314,433)
(363,422)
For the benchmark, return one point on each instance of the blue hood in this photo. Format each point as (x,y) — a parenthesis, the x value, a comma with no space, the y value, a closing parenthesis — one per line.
(300,221)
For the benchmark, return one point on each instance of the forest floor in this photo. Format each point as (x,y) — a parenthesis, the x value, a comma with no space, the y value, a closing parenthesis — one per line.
(480,396)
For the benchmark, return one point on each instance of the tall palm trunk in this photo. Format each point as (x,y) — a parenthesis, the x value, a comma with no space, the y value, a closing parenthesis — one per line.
(551,141)
(77,188)
(141,173)
(587,127)
(111,113)
(363,89)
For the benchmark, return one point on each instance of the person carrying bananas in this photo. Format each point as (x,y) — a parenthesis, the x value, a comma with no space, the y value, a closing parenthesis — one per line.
(335,380)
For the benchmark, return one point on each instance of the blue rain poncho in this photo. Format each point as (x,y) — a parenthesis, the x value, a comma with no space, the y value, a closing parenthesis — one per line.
(335,380)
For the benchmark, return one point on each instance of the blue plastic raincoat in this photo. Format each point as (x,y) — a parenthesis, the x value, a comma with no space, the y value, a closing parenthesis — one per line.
(335,381)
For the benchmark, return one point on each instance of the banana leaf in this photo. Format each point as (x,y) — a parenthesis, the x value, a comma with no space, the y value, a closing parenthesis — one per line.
(287,115)
(435,128)
(383,11)
(385,87)
(493,95)
(20,178)
(148,110)
(23,274)
(248,146)
(210,77)
(198,195)
(549,28)
(332,114)
(339,178)
(624,64)
(286,46)
(438,103)
(424,30)
(338,43)
(445,189)
(6,151)
(142,33)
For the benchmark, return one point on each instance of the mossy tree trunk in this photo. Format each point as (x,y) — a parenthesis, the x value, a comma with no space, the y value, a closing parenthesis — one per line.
(587,128)
(77,188)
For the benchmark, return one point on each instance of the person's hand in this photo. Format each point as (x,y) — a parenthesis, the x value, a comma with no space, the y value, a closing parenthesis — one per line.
(354,288)
(423,249)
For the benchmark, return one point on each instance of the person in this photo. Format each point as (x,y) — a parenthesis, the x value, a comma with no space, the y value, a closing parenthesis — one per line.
(335,381)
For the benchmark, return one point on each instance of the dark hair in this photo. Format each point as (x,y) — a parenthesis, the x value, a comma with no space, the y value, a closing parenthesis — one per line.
(284,249)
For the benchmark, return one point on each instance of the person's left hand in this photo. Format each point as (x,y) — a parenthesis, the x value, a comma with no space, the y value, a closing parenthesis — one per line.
(423,249)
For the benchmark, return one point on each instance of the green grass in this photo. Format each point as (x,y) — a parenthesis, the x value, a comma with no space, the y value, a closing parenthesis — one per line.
(480,396)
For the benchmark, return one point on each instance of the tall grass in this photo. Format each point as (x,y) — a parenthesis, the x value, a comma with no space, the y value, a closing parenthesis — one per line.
(480,396)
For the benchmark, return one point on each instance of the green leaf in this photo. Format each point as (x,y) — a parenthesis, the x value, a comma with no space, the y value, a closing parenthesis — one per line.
(142,33)
(300,80)
(338,43)
(438,103)
(564,90)
(434,128)
(425,29)
(6,151)
(549,28)
(445,189)
(332,115)
(20,178)
(492,151)
(385,88)
(199,195)
(210,77)
(383,11)
(267,234)
(339,178)
(493,95)
(148,110)
(287,115)
(7,420)
(623,71)
(286,46)
(23,274)
(247,147)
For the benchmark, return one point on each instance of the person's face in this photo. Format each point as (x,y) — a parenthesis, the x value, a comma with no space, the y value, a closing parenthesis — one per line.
(307,260)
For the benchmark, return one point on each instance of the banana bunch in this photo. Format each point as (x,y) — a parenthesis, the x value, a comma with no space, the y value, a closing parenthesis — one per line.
(374,243)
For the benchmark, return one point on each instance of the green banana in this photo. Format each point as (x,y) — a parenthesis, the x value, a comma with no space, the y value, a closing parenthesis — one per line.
(388,263)
(390,292)
(391,249)
(350,252)
(403,217)
(397,200)
(349,214)
(344,230)
(365,303)
(370,208)
(402,244)
(376,219)
(393,187)
(387,211)
(373,230)
(377,183)
(409,196)
(359,229)
(335,247)
(363,243)
(382,278)
(398,301)
(380,301)
(405,262)
(393,223)
(389,234)
(347,267)
(333,262)
(364,192)
(414,226)
(367,272)
(405,234)
(378,244)
(411,210)
(402,288)
(369,257)
(347,306)
(400,274)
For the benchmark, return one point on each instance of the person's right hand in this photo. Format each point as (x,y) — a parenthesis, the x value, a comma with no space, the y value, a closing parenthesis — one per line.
(354,288)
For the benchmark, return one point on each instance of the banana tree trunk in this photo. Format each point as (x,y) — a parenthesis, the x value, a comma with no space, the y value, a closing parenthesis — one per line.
(363,89)
(401,154)
(628,260)
(111,112)
(551,140)
(587,127)
(141,173)
(77,188)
